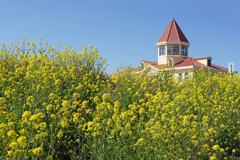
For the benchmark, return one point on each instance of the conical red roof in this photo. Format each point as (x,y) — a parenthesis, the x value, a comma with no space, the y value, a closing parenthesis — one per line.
(173,33)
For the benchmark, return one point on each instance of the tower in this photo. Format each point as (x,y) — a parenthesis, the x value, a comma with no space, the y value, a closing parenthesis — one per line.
(172,44)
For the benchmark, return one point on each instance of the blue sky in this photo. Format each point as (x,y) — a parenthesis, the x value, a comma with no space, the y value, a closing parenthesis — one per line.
(126,30)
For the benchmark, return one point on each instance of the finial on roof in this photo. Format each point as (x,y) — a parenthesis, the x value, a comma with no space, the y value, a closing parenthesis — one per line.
(173,33)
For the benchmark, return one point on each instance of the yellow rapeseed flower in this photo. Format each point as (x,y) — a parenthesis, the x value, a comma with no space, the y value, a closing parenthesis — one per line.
(38,151)
(60,134)
(216,147)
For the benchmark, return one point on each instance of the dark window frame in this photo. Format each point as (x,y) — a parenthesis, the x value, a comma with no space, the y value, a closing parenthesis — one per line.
(170,62)
(180,76)
(186,74)
(173,49)
(209,62)
(162,50)
(184,50)
(142,66)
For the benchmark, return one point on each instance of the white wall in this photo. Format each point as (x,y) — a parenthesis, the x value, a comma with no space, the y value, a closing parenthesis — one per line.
(203,61)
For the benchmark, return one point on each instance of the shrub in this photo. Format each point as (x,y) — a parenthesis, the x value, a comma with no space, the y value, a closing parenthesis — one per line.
(62,105)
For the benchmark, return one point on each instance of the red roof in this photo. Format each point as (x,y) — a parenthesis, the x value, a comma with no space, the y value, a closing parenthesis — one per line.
(173,33)
(192,62)
(181,59)
(148,62)
(202,58)
(188,62)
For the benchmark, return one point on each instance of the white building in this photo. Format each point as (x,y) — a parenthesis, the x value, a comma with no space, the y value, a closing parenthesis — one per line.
(173,52)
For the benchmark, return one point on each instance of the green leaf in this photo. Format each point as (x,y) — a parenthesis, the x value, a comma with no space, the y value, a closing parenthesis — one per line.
(50,157)
(189,156)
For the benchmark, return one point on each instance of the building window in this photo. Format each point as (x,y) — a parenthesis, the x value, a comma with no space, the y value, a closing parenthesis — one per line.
(183,50)
(162,50)
(170,62)
(180,76)
(173,49)
(142,66)
(186,75)
(209,62)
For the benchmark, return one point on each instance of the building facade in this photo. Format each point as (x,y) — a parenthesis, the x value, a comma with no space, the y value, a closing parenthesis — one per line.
(173,53)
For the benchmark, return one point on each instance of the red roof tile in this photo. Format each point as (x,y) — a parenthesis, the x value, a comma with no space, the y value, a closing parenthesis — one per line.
(218,67)
(160,66)
(148,62)
(173,33)
(202,58)
(186,62)
(192,62)
(137,69)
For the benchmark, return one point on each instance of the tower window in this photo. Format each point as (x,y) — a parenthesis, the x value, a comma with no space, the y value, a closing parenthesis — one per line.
(162,50)
(183,50)
(173,49)
(142,66)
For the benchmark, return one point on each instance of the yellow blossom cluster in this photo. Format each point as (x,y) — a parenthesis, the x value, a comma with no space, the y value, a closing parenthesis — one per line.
(61,104)
(44,102)
(158,118)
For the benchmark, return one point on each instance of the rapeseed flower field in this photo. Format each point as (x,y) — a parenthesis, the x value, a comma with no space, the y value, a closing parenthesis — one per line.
(62,105)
